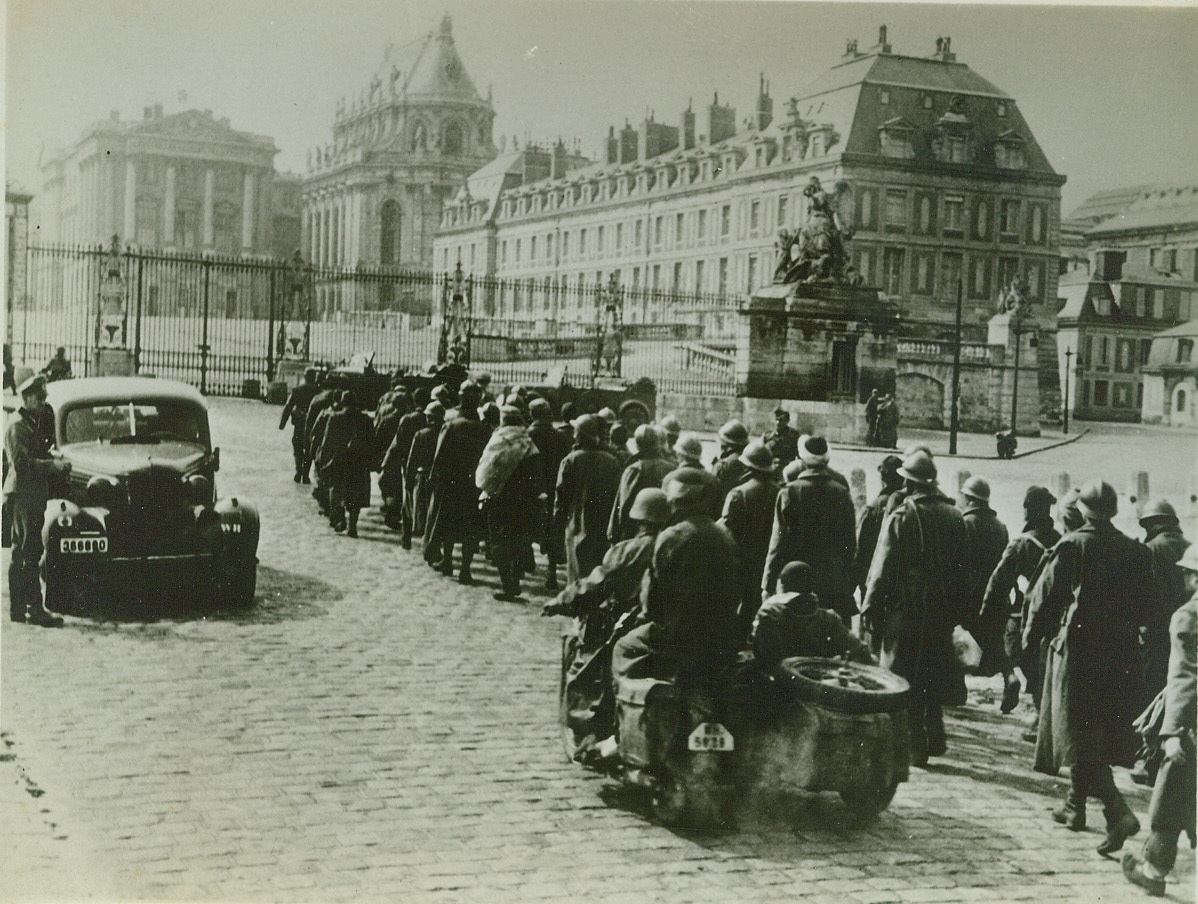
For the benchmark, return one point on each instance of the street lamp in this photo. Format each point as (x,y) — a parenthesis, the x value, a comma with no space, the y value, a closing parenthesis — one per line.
(1068,358)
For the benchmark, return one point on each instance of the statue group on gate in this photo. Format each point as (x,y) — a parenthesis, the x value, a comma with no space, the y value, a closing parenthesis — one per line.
(817,252)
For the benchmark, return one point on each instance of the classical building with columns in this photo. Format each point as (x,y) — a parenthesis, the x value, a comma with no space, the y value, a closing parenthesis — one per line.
(373,195)
(186,182)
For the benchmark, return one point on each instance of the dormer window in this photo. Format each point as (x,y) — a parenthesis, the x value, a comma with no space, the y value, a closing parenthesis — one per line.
(953,140)
(884,97)
(895,138)
(1010,152)
(927,101)
(1002,109)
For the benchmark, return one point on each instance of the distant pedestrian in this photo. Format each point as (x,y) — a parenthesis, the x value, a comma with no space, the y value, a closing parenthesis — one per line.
(782,441)
(1093,595)
(58,367)
(748,516)
(1171,811)
(914,597)
(1003,613)
(510,481)
(417,490)
(554,445)
(296,410)
(587,483)
(871,419)
(454,517)
(888,421)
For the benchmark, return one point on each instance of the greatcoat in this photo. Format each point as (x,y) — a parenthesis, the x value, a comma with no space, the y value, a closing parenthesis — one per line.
(453,514)
(1092,597)
(749,518)
(586,490)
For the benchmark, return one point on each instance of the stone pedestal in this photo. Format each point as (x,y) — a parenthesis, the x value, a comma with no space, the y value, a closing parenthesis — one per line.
(825,345)
(113,362)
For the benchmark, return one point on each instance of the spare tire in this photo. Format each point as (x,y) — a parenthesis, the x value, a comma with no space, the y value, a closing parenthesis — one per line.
(844,686)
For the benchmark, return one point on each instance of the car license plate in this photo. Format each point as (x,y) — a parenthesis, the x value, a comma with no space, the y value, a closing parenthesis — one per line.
(712,737)
(83,544)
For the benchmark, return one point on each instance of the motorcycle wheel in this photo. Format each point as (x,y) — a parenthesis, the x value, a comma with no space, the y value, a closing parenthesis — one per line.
(844,686)
(866,803)
(563,709)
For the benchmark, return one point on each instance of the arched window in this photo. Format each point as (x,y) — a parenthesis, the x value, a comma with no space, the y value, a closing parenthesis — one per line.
(420,138)
(451,141)
(1181,401)
(389,233)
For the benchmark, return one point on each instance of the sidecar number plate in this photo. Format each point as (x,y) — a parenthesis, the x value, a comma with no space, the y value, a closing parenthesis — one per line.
(711,737)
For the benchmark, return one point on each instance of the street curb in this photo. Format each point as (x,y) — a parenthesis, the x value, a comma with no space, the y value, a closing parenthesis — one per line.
(1056,445)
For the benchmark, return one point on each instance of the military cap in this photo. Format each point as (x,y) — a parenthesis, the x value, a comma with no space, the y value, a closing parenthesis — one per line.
(890,464)
(670,424)
(36,383)
(588,426)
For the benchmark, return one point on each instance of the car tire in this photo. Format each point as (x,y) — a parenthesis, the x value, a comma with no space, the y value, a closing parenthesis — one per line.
(241,584)
(866,803)
(843,686)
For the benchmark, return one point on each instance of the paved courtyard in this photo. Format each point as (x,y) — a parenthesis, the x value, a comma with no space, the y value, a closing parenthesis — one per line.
(372,731)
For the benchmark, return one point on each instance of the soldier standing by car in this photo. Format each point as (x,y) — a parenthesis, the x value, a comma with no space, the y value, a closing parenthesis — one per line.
(296,410)
(913,599)
(26,491)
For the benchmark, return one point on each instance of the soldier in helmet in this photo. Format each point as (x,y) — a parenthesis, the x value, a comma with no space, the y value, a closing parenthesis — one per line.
(1163,537)
(987,542)
(296,410)
(587,483)
(728,468)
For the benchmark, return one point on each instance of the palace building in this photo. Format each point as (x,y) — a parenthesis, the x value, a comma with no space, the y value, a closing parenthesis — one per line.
(947,185)
(185,182)
(373,195)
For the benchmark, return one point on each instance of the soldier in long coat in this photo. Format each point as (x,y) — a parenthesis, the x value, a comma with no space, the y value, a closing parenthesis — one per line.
(416,469)
(554,445)
(748,517)
(814,522)
(391,474)
(1163,537)
(913,599)
(318,415)
(586,490)
(296,410)
(987,542)
(1092,597)
(727,467)
(1173,796)
(690,595)
(604,605)
(1003,602)
(510,479)
(645,471)
(869,524)
(453,514)
(343,462)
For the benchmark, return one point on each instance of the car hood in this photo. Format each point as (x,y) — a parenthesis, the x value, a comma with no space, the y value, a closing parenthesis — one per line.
(115,461)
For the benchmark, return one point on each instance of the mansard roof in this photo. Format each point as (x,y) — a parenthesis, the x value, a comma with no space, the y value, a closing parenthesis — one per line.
(1154,207)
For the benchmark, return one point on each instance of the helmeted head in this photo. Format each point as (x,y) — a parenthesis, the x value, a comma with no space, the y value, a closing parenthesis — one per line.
(569,412)
(733,435)
(540,410)
(511,416)
(310,375)
(688,490)
(919,469)
(1157,511)
(471,395)
(889,469)
(1097,500)
(1069,512)
(813,451)
(647,441)
(757,457)
(976,489)
(483,380)
(422,397)
(650,507)
(1188,563)
(588,429)
(689,449)
(435,412)
(797,577)
(672,426)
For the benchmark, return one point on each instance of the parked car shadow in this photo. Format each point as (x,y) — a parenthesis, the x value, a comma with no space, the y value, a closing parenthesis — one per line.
(281,596)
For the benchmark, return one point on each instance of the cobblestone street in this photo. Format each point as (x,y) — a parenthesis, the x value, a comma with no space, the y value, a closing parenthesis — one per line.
(371,730)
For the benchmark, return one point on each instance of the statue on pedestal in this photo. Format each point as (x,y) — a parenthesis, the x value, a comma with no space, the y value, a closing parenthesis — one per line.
(817,253)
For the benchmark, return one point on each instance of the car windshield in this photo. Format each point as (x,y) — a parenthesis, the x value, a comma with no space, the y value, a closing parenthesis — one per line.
(136,422)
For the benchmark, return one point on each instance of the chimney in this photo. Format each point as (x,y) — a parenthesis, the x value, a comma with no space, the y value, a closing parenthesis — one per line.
(657,138)
(628,144)
(882,45)
(721,121)
(944,51)
(765,105)
(688,127)
(850,49)
(558,167)
(613,146)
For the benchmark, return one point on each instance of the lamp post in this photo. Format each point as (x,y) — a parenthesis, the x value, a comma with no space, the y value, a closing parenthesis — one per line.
(1068,367)
(1017,330)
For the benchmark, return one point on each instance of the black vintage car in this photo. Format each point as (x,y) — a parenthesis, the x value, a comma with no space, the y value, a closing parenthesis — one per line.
(138,521)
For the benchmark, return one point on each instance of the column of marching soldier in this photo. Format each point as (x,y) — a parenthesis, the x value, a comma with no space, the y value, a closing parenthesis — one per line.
(676,569)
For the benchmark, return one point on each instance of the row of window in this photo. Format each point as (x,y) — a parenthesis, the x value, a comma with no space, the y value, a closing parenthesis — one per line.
(1121,355)
(978,218)
(902,271)
(1105,394)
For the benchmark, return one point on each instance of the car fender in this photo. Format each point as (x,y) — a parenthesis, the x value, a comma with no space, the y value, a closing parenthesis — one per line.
(240,526)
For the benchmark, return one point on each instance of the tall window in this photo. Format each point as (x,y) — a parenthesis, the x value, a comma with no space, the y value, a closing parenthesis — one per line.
(892,270)
(677,277)
(896,209)
(657,231)
(950,275)
(725,220)
(619,237)
(702,225)
(1008,218)
(752,275)
(699,287)
(754,217)
(954,214)
(679,229)
(783,210)
(723,284)
(389,233)
(638,233)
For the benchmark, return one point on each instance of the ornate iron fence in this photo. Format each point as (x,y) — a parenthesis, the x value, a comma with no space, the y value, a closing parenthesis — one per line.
(217,322)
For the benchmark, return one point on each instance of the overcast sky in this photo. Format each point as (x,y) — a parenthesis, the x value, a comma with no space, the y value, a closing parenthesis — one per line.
(1109,92)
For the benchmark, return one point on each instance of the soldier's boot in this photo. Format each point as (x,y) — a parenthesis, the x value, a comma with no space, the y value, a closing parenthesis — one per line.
(31,594)
(464,576)
(551,577)
(1121,822)
(352,527)
(405,537)
(1071,813)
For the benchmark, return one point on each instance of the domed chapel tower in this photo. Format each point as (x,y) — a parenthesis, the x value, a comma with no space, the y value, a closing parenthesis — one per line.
(373,194)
